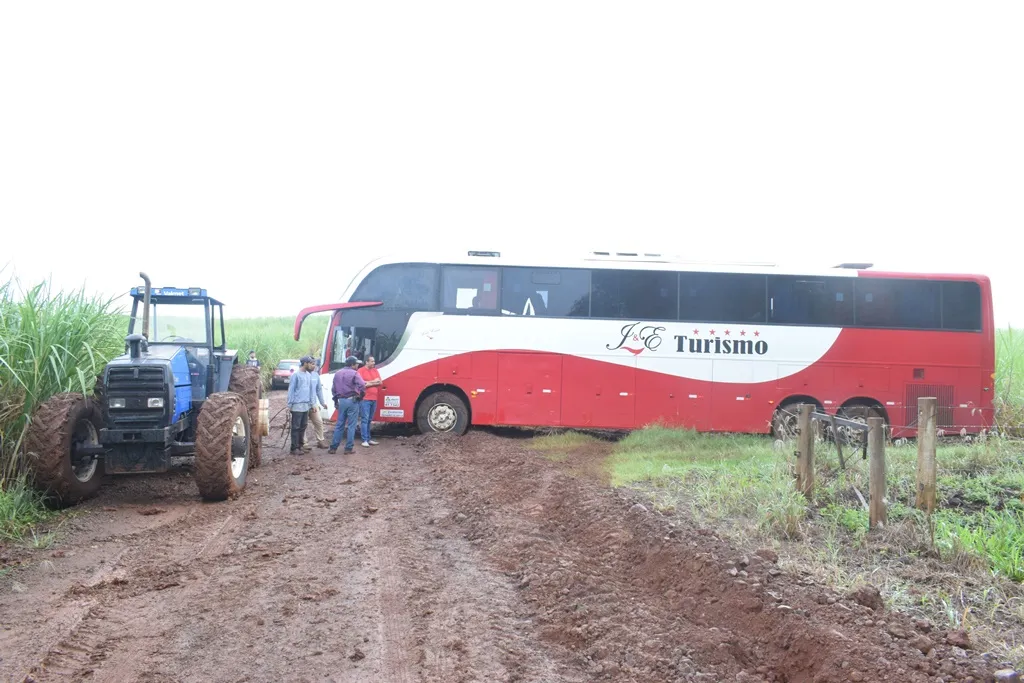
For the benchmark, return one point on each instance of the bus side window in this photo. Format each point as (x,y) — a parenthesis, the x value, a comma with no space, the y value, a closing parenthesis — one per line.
(467,288)
(545,292)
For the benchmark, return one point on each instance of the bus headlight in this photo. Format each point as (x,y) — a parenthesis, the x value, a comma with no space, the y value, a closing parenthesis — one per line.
(155,403)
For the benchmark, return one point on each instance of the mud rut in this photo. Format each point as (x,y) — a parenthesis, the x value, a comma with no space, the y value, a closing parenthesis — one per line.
(429,560)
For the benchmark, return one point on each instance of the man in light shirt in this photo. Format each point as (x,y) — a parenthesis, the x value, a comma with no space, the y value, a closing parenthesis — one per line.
(302,397)
(314,413)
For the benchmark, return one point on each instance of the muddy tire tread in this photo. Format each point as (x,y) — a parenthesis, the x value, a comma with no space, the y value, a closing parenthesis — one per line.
(213,445)
(48,445)
(245,381)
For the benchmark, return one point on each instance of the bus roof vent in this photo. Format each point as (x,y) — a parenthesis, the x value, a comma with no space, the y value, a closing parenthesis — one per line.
(625,255)
(493,254)
(855,266)
(649,257)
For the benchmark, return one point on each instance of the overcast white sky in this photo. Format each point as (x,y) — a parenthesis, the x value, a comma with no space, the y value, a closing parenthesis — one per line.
(265,151)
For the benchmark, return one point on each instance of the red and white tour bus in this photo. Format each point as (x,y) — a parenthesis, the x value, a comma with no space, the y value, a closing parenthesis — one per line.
(618,341)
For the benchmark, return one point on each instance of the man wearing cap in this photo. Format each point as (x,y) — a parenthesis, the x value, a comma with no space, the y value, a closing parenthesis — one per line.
(253,362)
(301,399)
(347,390)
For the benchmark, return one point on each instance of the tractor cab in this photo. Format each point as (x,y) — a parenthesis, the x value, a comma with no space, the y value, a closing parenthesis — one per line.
(185,327)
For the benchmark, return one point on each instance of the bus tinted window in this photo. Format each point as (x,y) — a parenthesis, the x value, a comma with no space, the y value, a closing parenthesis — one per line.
(910,304)
(545,292)
(722,297)
(467,288)
(961,306)
(401,286)
(801,300)
(634,294)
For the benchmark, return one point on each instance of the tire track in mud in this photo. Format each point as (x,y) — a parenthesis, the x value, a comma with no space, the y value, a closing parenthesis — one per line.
(446,616)
(393,629)
(114,597)
(341,569)
(629,596)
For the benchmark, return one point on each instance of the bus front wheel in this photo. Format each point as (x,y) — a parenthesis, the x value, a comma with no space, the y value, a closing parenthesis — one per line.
(443,412)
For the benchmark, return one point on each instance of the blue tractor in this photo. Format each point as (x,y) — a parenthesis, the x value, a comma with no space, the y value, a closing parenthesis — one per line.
(177,391)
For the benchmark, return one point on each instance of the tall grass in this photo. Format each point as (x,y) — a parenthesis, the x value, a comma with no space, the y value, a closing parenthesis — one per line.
(1010,379)
(50,342)
(273,341)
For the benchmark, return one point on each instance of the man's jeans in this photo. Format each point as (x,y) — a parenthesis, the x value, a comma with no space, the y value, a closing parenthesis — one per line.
(366,411)
(299,421)
(348,411)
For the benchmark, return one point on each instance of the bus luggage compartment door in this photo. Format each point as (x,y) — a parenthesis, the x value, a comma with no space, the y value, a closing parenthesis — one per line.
(529,389)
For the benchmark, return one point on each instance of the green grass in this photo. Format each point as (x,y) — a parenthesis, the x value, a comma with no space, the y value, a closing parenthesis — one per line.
(273,341)
(728,480)
(744,487)
(1010,378)
(50,342)
(557,446)
(21,509)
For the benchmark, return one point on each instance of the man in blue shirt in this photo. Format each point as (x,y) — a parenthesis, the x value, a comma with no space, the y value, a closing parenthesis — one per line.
(302,397)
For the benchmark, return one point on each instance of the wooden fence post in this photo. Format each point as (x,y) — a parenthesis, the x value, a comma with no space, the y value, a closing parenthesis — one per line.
(876,453)
(805,464)
(926,467)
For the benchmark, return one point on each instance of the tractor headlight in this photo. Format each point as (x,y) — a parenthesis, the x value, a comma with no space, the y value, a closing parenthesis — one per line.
(155,403)
(116,403)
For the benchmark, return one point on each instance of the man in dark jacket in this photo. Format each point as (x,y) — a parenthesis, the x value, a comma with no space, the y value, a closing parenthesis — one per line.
(347,389)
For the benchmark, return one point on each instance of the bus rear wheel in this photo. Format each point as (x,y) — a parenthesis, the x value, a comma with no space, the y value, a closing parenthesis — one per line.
(858,413)
(443,412)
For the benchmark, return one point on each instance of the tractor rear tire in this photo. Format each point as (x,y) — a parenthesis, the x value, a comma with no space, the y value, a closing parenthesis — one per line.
(245,381)
(57,425)
(223,446)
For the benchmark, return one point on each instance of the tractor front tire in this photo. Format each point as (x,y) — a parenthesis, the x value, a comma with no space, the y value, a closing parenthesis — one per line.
(223,446)
(56,427)
(245,381)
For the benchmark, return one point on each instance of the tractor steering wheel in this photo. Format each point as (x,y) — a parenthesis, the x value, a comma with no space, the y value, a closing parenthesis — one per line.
(175,337)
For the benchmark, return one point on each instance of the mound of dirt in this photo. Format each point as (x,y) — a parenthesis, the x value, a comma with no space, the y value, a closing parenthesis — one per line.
(633,596)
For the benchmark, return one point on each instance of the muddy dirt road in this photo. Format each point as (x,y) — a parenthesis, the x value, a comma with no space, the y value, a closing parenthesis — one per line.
(429,559)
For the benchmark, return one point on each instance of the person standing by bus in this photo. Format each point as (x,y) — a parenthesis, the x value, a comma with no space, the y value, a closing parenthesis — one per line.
(347,390)
(301,399)
(368,406)
(314,412)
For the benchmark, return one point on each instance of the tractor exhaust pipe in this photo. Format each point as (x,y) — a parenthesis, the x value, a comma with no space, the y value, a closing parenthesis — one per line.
(145,306)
